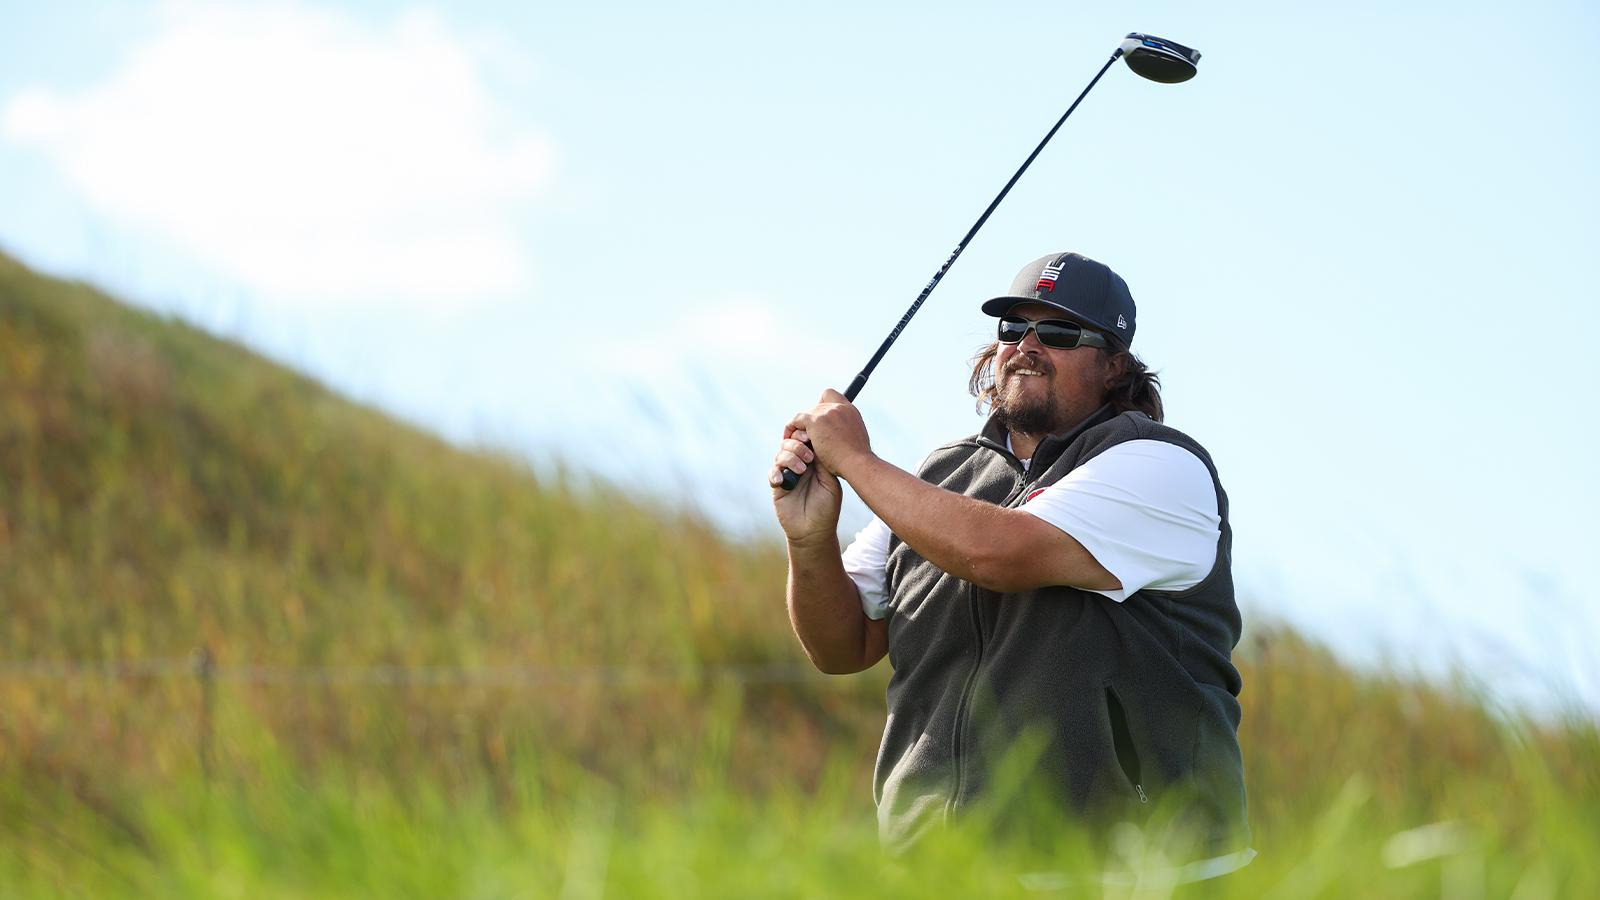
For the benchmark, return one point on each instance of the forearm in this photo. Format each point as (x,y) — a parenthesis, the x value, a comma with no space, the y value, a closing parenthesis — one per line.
(947,529)
(825,610)
(1004,550)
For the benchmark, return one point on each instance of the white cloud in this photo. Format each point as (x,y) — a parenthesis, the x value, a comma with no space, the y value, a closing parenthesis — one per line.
(315,157)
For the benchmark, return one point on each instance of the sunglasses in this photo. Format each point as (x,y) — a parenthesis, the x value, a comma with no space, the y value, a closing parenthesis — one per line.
(1058,334)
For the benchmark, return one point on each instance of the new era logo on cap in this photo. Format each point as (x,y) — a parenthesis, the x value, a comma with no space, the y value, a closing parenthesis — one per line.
(1121,322)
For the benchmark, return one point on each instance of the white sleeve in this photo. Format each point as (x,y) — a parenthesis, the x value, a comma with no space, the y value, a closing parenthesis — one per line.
(1146,510)
(866,561)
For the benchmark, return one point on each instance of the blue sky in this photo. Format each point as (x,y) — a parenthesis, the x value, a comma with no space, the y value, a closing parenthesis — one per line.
(637,237)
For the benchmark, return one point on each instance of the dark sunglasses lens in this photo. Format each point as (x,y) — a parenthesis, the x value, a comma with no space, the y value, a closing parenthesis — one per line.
(1012,329)
(1057,335)
(1060,335)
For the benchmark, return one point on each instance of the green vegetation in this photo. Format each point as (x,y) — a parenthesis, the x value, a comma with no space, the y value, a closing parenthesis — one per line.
(432,673)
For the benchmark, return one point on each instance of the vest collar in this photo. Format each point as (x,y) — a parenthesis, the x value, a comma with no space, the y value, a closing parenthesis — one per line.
(993,436)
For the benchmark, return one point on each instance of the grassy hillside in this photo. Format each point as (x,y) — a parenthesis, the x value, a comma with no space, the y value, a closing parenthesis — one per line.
(428,672)
(162,491)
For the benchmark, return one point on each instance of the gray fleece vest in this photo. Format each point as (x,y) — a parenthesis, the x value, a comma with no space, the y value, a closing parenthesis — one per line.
(1125,703)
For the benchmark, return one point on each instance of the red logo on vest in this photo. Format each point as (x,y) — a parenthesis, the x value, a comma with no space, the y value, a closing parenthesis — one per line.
(1034,494)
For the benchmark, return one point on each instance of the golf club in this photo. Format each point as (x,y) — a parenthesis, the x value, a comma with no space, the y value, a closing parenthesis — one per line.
(1151,57)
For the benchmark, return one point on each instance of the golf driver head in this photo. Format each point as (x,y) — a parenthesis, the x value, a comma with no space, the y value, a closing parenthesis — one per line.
(1159,59)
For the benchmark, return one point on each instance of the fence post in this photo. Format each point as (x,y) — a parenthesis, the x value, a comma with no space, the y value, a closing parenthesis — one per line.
(1263,689)
(205,670)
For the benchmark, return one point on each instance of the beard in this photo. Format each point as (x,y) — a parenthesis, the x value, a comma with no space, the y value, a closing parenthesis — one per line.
(1020,412)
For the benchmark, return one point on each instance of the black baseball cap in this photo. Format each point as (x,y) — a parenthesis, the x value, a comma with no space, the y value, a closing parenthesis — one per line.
(1086,290)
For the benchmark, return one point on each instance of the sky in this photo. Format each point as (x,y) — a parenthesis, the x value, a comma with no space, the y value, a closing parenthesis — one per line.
(633,239)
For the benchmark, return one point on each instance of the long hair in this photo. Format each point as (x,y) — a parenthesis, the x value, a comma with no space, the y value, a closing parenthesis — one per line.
(1136,388)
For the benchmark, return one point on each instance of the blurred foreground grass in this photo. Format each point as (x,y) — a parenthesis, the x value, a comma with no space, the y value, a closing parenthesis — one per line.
(431,673)
(266,824)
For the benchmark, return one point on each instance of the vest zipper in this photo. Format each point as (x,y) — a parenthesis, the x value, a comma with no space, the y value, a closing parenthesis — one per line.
(964,706)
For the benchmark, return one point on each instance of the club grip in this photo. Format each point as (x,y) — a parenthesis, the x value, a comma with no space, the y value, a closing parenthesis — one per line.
(790,479)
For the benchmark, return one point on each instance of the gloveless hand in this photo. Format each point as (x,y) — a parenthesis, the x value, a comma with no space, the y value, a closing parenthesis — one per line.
(809,513)
(836,432)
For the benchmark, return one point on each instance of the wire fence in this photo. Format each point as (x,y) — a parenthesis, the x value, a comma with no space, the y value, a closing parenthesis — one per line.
(208,673)
(200,664)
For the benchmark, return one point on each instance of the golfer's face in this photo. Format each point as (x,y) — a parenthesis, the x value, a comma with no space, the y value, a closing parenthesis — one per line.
(1071,383)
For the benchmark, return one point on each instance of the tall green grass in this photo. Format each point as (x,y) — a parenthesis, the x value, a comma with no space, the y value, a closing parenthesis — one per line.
(163,491)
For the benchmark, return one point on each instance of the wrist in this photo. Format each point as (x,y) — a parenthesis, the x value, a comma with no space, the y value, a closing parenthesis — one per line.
(822,541)
(852,466)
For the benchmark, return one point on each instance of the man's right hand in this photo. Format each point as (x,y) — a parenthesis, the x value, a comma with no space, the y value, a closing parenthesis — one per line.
(824,605)
(811,511)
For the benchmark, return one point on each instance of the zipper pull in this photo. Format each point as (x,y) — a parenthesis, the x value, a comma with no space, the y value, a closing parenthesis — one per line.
(1142,797)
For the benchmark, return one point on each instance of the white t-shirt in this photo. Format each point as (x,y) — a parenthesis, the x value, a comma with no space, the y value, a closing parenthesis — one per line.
(1145,510)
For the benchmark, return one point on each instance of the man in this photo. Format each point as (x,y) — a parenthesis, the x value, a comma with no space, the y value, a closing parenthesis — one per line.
(1062,577)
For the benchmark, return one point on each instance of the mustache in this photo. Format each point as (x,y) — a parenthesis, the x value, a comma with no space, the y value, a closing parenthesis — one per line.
(1025,360)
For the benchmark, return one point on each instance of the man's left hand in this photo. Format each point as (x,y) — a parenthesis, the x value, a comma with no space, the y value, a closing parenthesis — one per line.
(837,432)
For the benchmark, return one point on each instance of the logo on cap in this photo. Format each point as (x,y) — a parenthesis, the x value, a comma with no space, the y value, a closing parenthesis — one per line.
(1047,278)
(1121,322)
